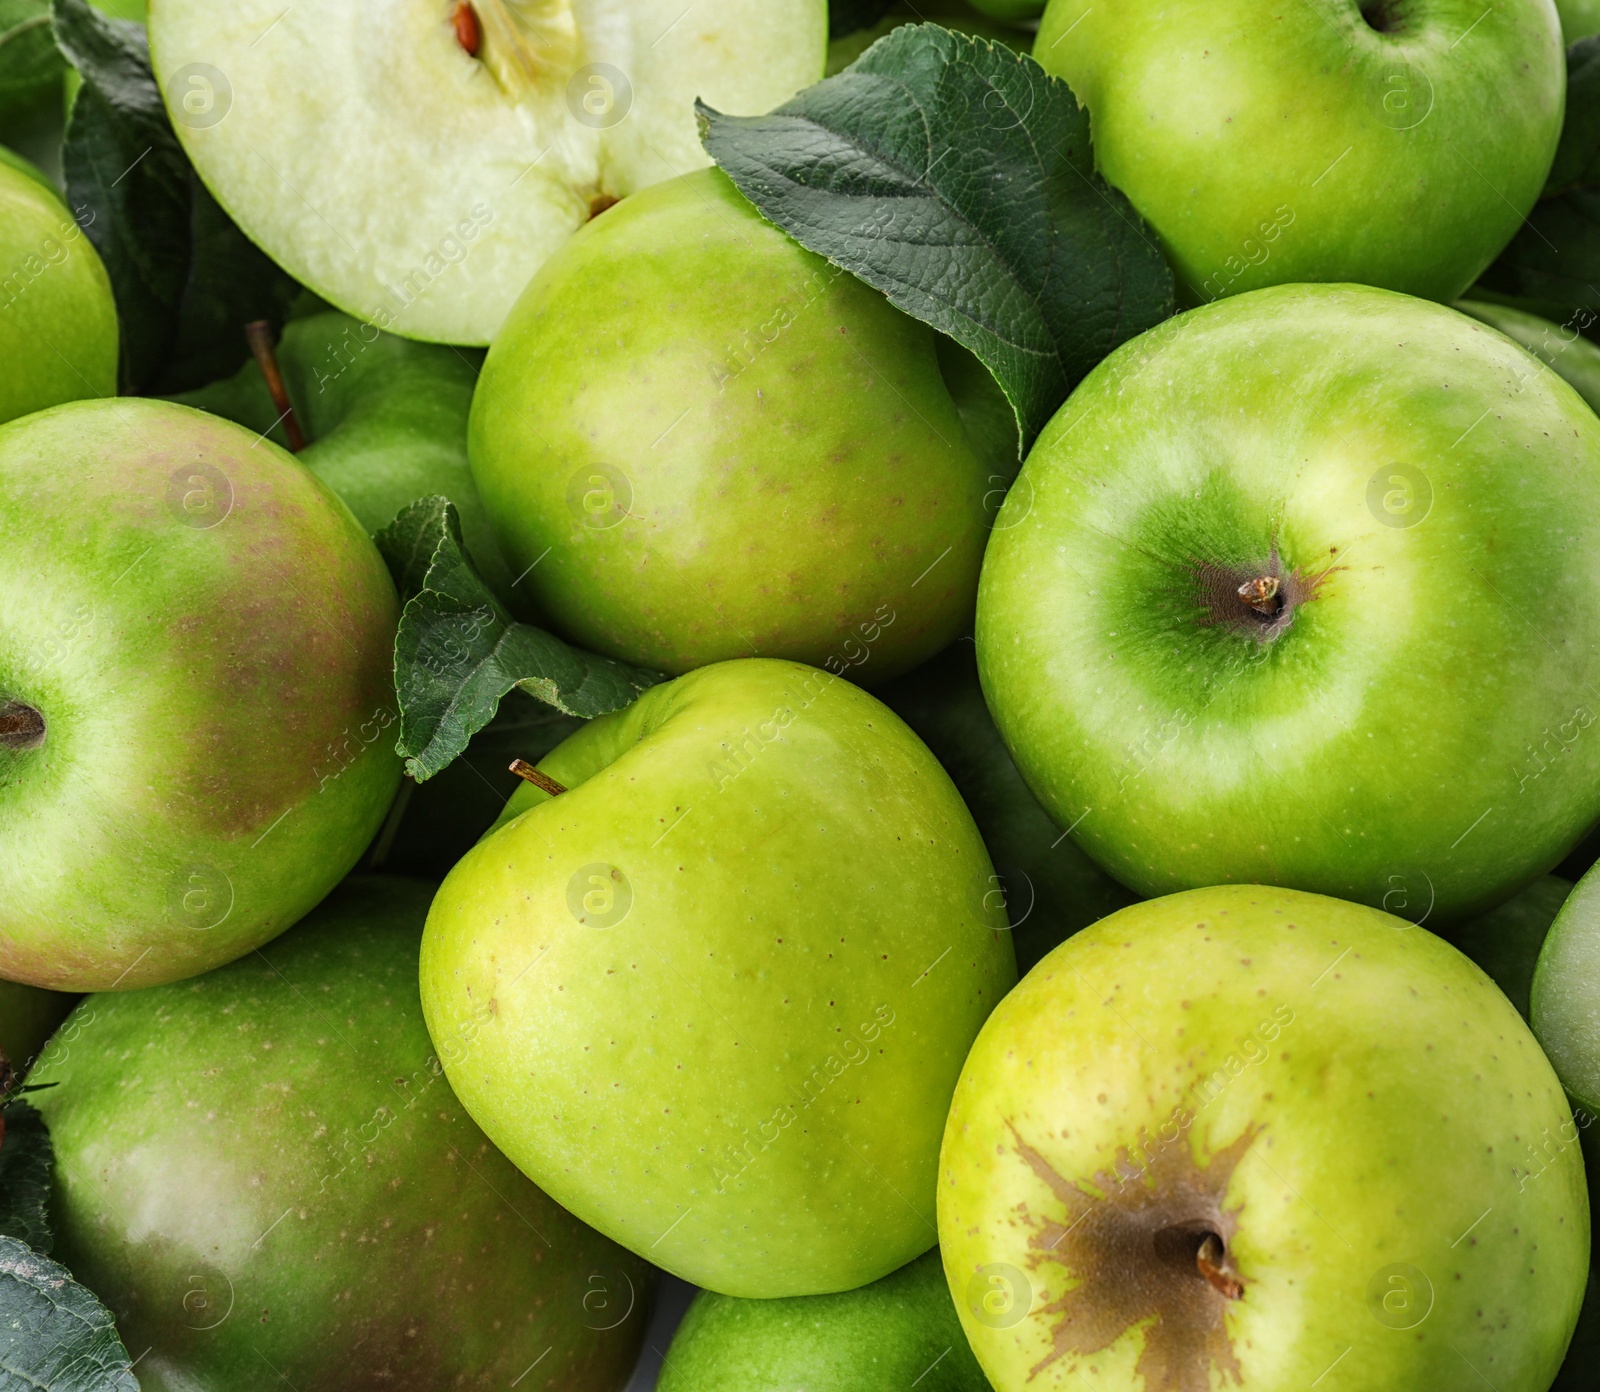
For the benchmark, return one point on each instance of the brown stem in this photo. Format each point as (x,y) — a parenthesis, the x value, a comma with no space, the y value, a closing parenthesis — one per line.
(258,334)
(1211,1260)
(523,769)
(21,727)
(1261,594)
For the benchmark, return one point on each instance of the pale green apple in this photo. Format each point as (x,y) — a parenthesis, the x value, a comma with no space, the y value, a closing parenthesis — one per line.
(58,324)
(701,441)
(1396,143)
(415,166)
(1258,1139)
(1579,19)
(1560,346)
(897,1334)
(1566,993)
(1049,886)
(384,419)
(1303,588)
(264,1175)
(725,982)
(197,705)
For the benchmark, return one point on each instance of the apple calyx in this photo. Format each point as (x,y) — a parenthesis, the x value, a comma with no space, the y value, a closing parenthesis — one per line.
(543,781)
(521,45)
(1258,600)
(1211,1260)
(21,726)
(258,334)
(1261,594)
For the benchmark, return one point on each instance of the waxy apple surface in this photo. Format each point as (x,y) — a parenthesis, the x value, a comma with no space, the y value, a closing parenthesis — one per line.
(1396,142)
(1333,1113)
(725,982)
(265,1176)
(1303,588)
(196,693)
(698,441)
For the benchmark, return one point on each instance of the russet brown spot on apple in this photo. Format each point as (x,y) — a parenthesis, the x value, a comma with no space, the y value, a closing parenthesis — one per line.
(1151,1245)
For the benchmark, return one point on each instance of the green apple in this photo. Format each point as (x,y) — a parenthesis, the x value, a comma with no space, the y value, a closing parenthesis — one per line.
(1255,1138)
(1579,19)
(1050,888)
(28,1017)
(1560,346)
(416,170)
(727,978)
(385,421)
(1011,11)
(972,19)
(196,698)
(896,1334)
(1303,588)
(264,1175)
(1396,143)
(1566,993)
(1505,942)
(702,441)
(58,324)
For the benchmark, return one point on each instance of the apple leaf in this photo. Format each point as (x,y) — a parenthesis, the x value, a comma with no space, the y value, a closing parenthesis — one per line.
(26,1162)
(847,16)
(459,651)
(30,64)
(1554,260)
(996,230)
(185,278)
(55,1335)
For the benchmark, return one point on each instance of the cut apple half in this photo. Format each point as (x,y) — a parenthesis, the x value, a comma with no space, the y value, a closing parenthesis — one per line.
(415,161)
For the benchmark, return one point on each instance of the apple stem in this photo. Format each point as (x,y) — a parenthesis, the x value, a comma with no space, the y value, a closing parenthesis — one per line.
(1211,1259)
(258,334)
(21,727)
(524,770)
(1261,594)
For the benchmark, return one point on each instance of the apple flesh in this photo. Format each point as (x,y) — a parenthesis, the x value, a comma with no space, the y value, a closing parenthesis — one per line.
(58,324)
(724,983)
(415,169)
(384,419)
(196,698)
(265,1176)
(1396,143)
(895,1334)
(1049,887)
(701,441)
(1242,1136)
(1261,606)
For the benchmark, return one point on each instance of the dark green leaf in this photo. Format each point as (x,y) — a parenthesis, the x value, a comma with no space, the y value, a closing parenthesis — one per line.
(846,16)
(26,1162)
(54,1335)
(186,280)
(1554,261)
(31,66)
(459,651)
(956,176)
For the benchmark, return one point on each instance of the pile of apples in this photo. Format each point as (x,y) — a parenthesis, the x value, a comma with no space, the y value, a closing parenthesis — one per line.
(589,752)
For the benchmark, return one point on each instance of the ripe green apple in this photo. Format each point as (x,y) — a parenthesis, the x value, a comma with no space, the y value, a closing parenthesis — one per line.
(1303,588)
(727,979)
(58,324)
(1255,1138)
(264,1175)
(28,1017)
(898,1333)
(1560,346)
(1049,887)
(385,422)
(417,170)
(196,698)
(1579,19)
(1505,942)
(1396,143)
(1566,993)
(702,441)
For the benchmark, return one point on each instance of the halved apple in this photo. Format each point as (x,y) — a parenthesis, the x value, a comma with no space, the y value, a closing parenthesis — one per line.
(416,161)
